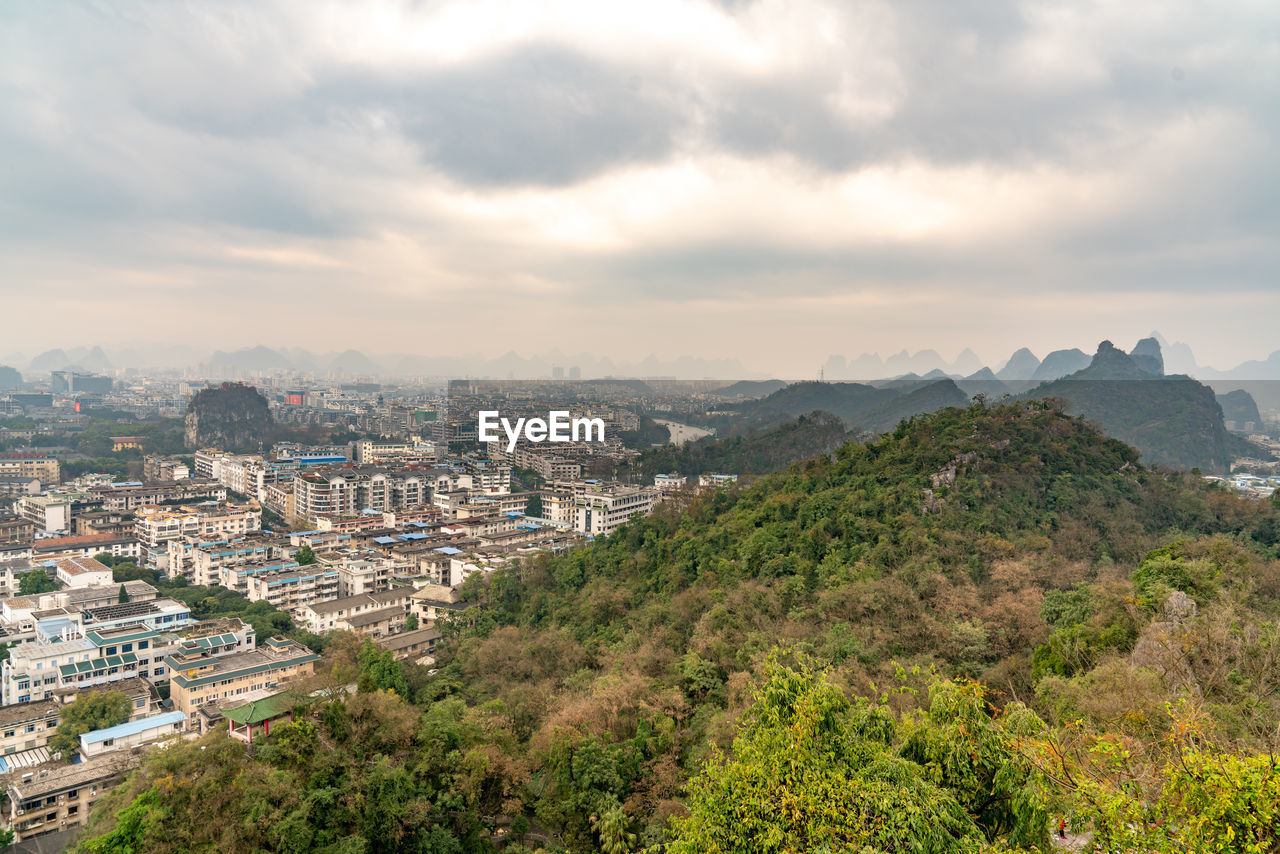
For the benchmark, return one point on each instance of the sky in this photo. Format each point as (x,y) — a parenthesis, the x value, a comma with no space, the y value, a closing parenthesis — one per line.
(769,180)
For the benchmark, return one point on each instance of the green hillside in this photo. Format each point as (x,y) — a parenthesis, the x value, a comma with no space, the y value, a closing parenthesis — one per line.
(1172,420)
(844,400)
(754,452)
(916,399)
(786,668)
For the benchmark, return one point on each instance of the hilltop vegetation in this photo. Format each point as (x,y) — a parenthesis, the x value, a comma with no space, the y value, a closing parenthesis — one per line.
(787,667)
(752,452)
(1172,420)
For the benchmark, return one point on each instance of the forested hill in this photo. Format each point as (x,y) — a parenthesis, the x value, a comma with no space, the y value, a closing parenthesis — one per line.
(1172,420)
(758,451)
(580,703)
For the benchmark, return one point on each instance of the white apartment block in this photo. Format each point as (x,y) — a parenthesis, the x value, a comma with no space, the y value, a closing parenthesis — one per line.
(602,510)
(292,589)
(156,526)
(356,613)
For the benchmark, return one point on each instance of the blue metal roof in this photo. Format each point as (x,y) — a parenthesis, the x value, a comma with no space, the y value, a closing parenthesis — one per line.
(449,550)
(133,727)
(384,541)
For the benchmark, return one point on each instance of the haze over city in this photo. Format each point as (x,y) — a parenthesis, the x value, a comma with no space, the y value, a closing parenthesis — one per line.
(764,181)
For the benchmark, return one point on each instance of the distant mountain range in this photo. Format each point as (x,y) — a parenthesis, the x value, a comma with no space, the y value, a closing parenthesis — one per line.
(1021,371)
(1173,420)
(354,363)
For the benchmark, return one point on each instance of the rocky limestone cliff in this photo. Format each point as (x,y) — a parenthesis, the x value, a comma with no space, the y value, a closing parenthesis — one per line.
(229,417)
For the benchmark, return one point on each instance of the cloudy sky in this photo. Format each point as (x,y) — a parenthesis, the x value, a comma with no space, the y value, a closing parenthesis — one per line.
(775,180)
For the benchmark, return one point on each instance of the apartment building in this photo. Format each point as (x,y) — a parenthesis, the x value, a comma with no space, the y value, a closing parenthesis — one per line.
(338,492)
(418,646)
(59,665)
(156,467)
(360,570)
(292,589)
(78,657)
(416,451)
(30,464)
(204,562)
(86,545)
(57,796)
(203,680)
(669,482)
(15,529)
(604,508)
(25,728)
(52,512)
(126,497)
(374,614)
(156,526)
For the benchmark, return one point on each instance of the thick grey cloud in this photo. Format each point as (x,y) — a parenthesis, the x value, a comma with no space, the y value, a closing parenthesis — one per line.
(961,149)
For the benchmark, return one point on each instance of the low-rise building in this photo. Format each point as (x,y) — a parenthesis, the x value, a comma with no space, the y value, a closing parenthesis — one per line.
(292,589)
(30,464)
(374,614)
(418,646)
(155,526)
(26,726)
(88,545)
(83,572)
(200,679)
(602,510)
(131,734)
(56,796)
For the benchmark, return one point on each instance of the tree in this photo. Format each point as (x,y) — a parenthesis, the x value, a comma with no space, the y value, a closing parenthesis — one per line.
(36,582)
(304,556)
(124,595)
(534,506)
(92,711)
(811,771)
(379,671)
(411,622)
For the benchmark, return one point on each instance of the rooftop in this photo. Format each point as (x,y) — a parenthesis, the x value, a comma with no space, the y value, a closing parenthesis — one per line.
(81,565)
(369,618)
(404,640)
(55,777)
(257,711)
(129,728)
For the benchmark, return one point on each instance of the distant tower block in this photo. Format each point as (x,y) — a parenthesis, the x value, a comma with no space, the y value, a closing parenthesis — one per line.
(557,372)
(575,373)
